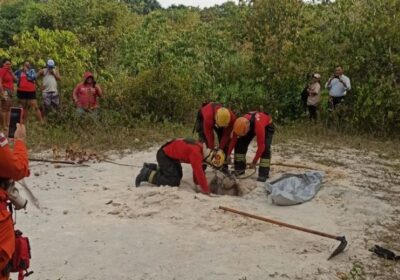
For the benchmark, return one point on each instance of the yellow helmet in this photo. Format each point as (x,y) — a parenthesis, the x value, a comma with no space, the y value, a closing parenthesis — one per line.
(215,158)
(241,126)
(222,117)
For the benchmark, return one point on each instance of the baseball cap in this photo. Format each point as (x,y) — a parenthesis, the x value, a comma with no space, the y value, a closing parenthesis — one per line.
(51,63)
(317,76)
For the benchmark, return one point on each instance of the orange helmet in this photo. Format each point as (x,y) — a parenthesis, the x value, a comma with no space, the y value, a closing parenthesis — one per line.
(241,126)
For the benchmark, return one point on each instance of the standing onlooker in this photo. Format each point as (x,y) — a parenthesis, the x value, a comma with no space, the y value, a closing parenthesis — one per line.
(314,96)
(51,99)
(86,95)
(7,79)
(338,84)
(26,90)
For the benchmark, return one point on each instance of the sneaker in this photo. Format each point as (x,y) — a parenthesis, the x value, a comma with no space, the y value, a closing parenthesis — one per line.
(261,179)
(143,176)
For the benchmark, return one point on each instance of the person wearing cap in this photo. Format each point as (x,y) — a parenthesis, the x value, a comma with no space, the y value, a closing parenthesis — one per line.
(314,96)
(253,124)
(338,85)
(50,74)
(14,166)
(212,117)
(168,171)
(86,95)
(7,79)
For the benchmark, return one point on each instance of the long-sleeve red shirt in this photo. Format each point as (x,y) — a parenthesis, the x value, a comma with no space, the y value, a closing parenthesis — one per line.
(208,112)
(192,153)
(261,121)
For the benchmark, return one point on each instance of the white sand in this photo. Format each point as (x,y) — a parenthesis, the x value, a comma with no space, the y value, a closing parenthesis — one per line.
(174,233)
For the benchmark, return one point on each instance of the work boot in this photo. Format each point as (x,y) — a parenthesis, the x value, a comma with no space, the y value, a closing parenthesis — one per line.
(262,179)
(151,166)
(143,176)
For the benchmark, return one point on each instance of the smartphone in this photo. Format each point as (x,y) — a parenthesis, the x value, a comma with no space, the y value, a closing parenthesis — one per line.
(15,117)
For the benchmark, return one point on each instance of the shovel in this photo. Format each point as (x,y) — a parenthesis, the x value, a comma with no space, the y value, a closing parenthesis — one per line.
(338,250)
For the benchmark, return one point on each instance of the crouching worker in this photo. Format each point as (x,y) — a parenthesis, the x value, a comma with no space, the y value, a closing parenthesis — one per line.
(214,117)
(169,159)
(13,167)
(253,124)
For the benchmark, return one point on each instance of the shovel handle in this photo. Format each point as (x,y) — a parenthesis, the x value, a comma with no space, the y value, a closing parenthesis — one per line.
(280,223)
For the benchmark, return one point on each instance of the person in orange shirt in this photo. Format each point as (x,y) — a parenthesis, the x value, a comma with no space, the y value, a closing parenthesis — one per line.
(14,166)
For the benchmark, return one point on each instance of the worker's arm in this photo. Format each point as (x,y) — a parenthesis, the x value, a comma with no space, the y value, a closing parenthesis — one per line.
(260,134)
(196,160)
(14,164)
(232,144)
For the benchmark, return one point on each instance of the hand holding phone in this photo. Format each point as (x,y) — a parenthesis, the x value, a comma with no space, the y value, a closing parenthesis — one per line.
(20,133)
(15,118)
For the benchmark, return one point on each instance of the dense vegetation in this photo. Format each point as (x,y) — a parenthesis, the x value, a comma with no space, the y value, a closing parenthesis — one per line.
(161,64)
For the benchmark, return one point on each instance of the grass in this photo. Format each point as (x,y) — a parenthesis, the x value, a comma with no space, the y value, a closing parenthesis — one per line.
(386,148)
(100,137)
(110,134)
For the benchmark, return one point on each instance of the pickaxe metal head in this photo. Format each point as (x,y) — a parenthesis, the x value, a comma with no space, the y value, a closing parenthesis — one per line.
(340,248)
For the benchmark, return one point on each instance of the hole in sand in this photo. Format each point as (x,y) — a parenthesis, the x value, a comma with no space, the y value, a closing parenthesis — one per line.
(225,185)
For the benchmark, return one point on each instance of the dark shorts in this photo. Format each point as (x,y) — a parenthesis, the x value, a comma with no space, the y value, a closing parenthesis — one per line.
(26,95)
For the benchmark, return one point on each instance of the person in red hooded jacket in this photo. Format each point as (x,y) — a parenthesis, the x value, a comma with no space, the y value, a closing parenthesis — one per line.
(86,95)
(13,166)
(169,159)
(253,124)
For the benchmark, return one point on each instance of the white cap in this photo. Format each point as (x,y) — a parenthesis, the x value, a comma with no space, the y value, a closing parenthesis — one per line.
(51,63)
(317,76)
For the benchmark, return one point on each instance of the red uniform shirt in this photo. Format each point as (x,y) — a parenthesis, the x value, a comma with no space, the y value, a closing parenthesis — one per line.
(87,96)
(25,85)
(7,79)
(261,121)
(208,112)
(13,165)
(192,153)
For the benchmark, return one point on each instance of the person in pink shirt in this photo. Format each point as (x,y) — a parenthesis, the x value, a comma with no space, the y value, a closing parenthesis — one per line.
(86,95)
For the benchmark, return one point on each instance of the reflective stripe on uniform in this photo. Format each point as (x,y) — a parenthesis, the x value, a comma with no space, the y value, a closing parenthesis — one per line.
(265,162)
(151,176)
(240,157)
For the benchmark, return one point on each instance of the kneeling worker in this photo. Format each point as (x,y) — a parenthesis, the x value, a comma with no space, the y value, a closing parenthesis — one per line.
(169,168)
(253,124)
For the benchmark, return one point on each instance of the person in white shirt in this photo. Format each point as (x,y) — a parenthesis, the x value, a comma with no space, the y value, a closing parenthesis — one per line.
(338,85)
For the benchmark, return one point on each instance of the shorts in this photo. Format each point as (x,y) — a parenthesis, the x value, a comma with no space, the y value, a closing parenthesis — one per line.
(6,102)
(51,99)
(26,95)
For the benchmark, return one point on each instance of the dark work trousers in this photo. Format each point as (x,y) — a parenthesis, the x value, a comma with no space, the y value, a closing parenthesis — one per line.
(242,146)
(334,101)
(169,171)
(199,127)
(312,110)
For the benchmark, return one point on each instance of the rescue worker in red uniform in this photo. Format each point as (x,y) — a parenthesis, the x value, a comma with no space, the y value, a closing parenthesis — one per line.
(13,167)
(169,159)
(214,117)
(253,124)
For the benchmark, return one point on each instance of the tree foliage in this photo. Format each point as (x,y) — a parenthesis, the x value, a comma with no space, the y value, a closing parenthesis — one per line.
(254,55)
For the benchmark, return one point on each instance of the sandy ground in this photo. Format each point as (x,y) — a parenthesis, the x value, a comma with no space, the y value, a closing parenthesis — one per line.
(95,225)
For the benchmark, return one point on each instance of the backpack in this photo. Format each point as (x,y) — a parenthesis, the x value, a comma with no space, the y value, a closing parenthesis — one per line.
(21,257)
